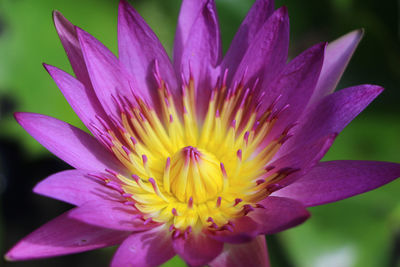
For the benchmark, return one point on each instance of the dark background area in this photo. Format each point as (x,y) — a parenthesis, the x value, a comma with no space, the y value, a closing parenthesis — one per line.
(361,231)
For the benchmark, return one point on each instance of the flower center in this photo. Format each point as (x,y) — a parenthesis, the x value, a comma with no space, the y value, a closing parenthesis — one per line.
(193,171)
(195,174)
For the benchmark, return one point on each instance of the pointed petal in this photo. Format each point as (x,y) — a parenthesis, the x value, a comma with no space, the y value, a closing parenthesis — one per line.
(69,39)
(335,180)
(63,236)
(295,86)
(253,253)
(83,100)
(72,145)
(267,54)
(75,187)
(332,114)
(190,11)
(110,214)
(108,77)
(202,50)
(149,248)
(278,214)
(139,48)
(197,249)
(256,17)
(301,159)
(337,56)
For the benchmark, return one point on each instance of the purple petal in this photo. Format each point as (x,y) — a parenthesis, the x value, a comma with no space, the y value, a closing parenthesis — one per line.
(72,145)
(337,56)
(332,114)
(267,54)
(278,214)
(197,249)
(75,187)
(201,53)
(149,248)
(301,159)
(109,78)
(253,253)
(244,230)
(69,39)
(138,49)
(256,17)
(63,236)
(295,86)
(82,99)
(110,214)
(190,10)
(335,180)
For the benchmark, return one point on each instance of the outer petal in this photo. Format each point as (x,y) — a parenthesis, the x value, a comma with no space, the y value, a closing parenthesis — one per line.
(82,98)
(278,214)
(74,146)
(75,187)
(150,248)
(335,180)
(253,254)
(337,56)
(69,39)
(108,77)
(139,48)
(201,53)
(256,17)
(197,249)
(64,236)
(267,54)
(332,114)
(110,214)
(300,160)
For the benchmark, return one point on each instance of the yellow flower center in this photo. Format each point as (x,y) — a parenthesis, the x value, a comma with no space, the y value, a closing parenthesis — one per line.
(195,174)
(192,175)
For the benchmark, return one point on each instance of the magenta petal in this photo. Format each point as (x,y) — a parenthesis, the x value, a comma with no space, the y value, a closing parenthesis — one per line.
(201,53)
(63,236)
(82,99)
(188,14)
(332,114)
(335,180)
(278,214)
(300,160)
(244,229)
(197,249)
(138,49)
(258,14)
(110,80)
(295,85)
(110,214)
(253,254)
(69,39)
(267,54)
(145,249)
(337,56)
(74,146)
(75,187)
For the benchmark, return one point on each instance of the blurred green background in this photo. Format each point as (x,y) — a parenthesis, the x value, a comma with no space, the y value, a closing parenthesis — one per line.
(363,231)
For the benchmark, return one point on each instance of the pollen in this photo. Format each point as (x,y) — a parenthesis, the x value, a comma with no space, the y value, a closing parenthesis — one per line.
(190,169)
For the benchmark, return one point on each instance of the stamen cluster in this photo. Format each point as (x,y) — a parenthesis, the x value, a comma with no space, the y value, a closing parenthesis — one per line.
(191,170)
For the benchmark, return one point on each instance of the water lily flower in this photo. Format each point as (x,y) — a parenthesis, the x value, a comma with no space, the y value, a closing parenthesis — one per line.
(202,156)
